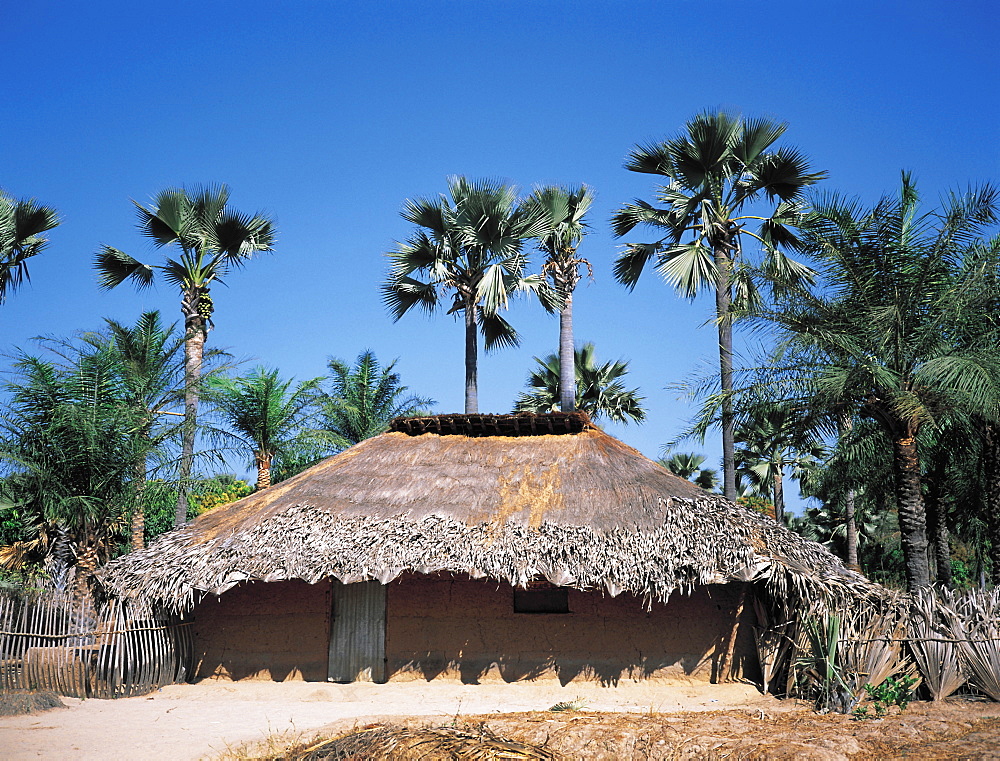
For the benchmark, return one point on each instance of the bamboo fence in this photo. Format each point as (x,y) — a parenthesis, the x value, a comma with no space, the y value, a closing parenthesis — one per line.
(59,642)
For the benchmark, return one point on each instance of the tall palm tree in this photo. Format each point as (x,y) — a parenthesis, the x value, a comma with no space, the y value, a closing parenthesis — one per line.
(22,224)
(365,398)
(212,240)
(264,413)
(469,249)
(716,169)
(564,210)
(881,338)
(599,388)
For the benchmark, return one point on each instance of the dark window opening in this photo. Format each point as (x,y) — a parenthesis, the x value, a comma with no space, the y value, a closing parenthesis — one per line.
(546,600)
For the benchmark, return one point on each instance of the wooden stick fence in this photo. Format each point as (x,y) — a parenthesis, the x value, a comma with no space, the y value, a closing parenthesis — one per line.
(55,641)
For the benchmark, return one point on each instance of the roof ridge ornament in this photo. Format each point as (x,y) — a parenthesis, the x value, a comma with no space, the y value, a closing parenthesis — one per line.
(516,424)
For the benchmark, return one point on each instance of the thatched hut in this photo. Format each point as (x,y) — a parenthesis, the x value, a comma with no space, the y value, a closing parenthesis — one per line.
(478,547)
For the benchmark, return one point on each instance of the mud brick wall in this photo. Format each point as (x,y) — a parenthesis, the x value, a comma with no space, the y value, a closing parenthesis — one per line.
(277,631)
(457,628)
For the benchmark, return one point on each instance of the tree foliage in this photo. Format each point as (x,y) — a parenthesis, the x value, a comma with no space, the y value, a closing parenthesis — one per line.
(264,414)
(600,390)
(468,252)
(22,225)
(211,240)
(364,398)
(716,170)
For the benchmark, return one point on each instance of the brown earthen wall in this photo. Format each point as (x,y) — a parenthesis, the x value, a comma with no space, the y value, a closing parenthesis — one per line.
(466,629)
(277,631)
(458,628)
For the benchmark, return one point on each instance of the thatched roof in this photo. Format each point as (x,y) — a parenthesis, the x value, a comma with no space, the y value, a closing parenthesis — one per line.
(509,497)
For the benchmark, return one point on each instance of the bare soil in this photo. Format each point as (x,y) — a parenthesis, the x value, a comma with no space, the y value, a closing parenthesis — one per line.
(634,720)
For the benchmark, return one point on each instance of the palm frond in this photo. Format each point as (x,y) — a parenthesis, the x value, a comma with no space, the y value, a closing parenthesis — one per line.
(115,267)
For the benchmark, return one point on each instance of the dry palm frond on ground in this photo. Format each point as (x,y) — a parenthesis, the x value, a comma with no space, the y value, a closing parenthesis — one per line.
(18,702)
(392,743)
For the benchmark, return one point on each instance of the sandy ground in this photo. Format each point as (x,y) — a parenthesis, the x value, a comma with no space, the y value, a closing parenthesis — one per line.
(201,720)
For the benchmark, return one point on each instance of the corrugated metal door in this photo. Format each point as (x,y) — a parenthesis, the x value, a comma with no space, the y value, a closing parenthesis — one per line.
(357,633)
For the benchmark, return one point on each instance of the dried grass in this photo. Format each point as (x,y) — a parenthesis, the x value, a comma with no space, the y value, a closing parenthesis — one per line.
(20,702)
(393,743)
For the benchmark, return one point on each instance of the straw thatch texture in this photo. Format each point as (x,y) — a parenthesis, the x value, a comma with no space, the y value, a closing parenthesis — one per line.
(580,509)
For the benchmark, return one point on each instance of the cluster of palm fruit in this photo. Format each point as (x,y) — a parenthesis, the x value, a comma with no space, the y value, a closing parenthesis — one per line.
(205,305)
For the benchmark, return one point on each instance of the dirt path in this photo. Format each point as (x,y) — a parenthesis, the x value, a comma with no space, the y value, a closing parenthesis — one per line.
(197,721)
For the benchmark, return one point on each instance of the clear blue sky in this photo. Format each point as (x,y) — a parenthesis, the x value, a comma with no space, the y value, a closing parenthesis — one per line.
(327,115)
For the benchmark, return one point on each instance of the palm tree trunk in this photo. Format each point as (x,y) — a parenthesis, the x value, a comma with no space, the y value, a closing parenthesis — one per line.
(845,424)
(194,351)
(723,309)
(139,512)
(778,486)
(471,361)
(725,670)
(912,518)
(942,548)
(851,529)
(567,369)
(991,469)
(263,472)
(86,567)
(937,523)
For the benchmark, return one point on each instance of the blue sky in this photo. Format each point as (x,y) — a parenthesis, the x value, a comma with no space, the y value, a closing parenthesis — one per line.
(327,115)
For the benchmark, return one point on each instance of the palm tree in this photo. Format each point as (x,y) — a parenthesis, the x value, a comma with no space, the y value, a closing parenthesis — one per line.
(599,388)
(264,413)
(980,329)
(213,239)
(365,398)
(775,439)
(881,340)
(563,209)
(21,226)
(689,465)
(148,358)
(470,248)
(718,167)
(70,448)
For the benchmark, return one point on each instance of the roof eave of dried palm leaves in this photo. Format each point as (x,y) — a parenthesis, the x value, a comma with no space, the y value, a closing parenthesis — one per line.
(510,498)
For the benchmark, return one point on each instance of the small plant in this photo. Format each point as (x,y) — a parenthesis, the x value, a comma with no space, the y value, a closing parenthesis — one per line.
(895,691)
(819,672)
(570,705)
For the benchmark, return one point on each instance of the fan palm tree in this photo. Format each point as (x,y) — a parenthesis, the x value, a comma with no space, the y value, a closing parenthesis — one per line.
(564,210)
(469,249)
(365,398)
(264,413)
(599,388)
(212,240)
(688,465)
(22,224)
(881,339)
(718,167)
